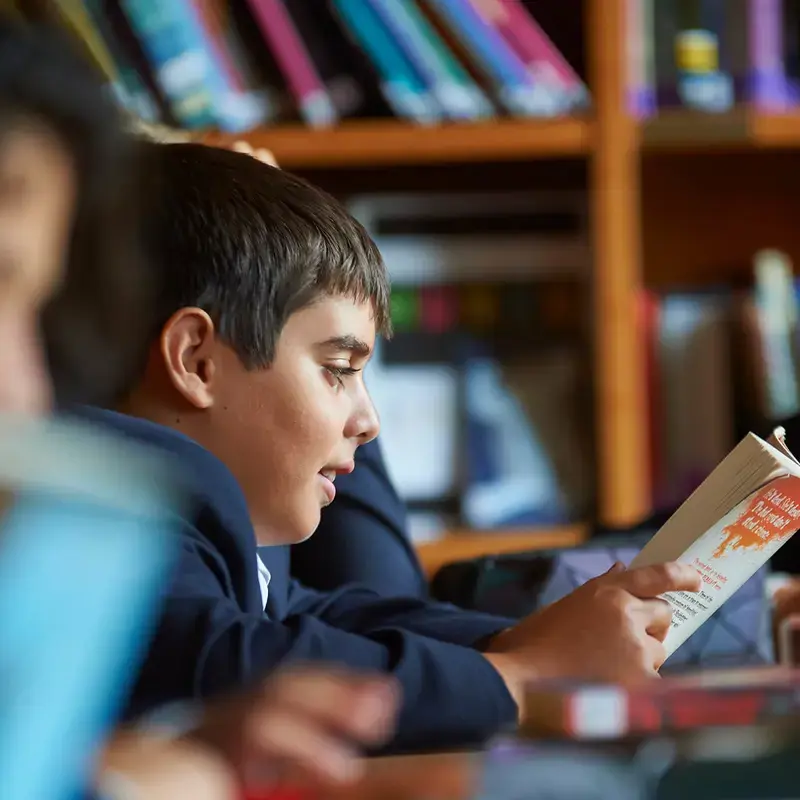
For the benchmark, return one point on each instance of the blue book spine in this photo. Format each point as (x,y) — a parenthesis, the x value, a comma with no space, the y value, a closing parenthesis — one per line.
(180,61)
(514,84)
(450,84)
(402,85)
(235,109)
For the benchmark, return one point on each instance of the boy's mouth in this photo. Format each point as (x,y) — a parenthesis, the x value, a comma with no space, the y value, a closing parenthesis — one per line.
(328,476)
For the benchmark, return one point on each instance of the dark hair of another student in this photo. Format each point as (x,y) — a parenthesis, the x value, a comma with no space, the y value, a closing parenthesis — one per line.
(96,327)
(251,244)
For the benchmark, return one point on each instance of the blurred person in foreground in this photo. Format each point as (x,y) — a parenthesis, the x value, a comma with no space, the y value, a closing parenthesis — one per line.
(68,260)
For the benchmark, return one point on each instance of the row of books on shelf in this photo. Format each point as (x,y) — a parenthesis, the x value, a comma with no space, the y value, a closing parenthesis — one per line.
(484,396)
(710,55)
(236,65)
(716,364)
(491,418)
(527,311)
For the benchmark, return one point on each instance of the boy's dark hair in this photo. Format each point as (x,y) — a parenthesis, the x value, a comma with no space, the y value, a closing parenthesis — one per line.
(251,244)
(95,328)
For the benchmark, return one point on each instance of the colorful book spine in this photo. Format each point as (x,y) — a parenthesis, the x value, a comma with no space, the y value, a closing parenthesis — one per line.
(451,85)
(768,88)
(131,91)
(402,85)
(615,712)
(513,83)
(182,65)
(295,63)
(640,34)
(549,68)
(346,80)
(238,108)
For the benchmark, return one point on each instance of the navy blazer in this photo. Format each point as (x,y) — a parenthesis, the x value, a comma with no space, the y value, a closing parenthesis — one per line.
(214,636)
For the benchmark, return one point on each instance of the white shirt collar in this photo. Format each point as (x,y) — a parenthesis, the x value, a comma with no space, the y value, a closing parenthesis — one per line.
(263,581)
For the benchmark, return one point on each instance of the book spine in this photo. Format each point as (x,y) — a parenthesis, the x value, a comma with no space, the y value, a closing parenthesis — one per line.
(767,84)
(237,108)
(616,712)
(545,61)
(777,319)
(403,88)
(279,32)
(132,92)
(494,56)
(179,57)
(641,66)
(665,35)
(451,85)
(791,49)
(347,82)
(735,57)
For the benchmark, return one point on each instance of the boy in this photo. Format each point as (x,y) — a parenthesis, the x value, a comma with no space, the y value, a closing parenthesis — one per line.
(273,298)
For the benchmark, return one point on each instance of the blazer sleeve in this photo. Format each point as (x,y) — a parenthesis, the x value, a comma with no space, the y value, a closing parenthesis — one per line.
(360,610)
(205,644)
(363,536)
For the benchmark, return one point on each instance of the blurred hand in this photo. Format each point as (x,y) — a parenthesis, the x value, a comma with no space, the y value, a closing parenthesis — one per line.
(261,153)
(303,724)
(309,721)
(610,629)
(136,765)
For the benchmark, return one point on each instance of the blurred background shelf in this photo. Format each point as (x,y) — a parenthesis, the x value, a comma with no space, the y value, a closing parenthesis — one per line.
(458,545)
(742,129)
(376,143)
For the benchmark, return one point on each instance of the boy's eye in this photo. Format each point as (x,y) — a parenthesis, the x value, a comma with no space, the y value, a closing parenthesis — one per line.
(338,374)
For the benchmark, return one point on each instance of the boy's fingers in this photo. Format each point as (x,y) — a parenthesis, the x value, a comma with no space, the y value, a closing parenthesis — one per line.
(647,582)
(284,738)
(361,707)
(658,615)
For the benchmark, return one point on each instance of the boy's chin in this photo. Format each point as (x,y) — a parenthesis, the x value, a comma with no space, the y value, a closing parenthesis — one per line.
(271,536)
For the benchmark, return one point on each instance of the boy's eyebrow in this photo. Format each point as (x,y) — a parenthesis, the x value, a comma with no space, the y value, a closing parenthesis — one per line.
(348,342)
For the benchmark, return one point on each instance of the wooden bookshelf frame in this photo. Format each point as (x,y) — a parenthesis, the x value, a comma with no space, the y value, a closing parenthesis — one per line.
(373,143)
(630,223)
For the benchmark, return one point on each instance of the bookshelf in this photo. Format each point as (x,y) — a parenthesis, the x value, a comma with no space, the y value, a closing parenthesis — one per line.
(466,544)
(668,199)
(393,143)
(738,131)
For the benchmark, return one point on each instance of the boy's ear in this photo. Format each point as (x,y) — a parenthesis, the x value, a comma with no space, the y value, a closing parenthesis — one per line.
(189,350)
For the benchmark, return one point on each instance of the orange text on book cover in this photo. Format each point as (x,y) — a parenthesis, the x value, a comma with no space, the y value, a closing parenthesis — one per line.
(731,551)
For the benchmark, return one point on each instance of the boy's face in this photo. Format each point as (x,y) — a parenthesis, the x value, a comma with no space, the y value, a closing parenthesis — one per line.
(288,430)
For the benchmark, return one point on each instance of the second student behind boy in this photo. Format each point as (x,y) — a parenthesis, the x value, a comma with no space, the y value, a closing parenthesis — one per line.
(255,381)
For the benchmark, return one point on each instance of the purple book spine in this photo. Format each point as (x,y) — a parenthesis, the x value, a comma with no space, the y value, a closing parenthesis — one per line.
(767,85)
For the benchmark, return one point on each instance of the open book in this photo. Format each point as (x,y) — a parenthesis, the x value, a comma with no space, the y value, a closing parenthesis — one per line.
(734,521)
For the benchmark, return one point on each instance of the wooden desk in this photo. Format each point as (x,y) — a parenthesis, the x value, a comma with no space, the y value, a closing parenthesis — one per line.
(461,545)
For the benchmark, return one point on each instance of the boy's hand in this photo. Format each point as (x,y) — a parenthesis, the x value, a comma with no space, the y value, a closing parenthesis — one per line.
(307,721)
(610,629)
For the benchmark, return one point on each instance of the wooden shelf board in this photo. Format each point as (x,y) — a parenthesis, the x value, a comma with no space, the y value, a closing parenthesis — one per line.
(743,129)
(460,545)
(393,143)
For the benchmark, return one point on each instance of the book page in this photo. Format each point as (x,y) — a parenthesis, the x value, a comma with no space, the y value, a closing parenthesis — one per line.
(732,550)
